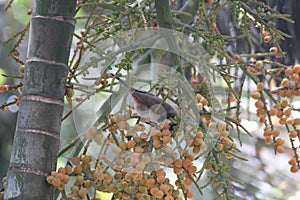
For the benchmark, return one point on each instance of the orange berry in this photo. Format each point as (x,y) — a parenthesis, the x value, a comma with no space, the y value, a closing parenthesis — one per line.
(68,169)
(77,169)
(156,143)
(204,102)
(293,134)
(275,133)
(138,149)
(153,190)
(297,121)
(267,133)
(197,141)
(284,104)
(130,144)
(290,121)
(287,111)
(50,179)
(192,169)
(260,86)
(159,194)
(177,163)
(285,82)
(294,169)
(196,149)
(259,104)
(227,141)
(265,33)
(165,188)
(279,149)
(60,187)
(166,132)
(190,194)
(273,111)
(229,156)
(60,176)
(294,77)
(280,142)
(268,140)
(56,182)
(267,38)
(282,93)
(199,135)
(289,71)
(62,170)
(186,163)
(296,69)
(177,170)
(53,173)
(166,126)
(151,182)
(289,93)
(83,192)
(100,176)
(122,145)
(274,50)
(237,59)
(166,140)
(213,26)
(292,161)
(188,182)
(256,95)
(79,180)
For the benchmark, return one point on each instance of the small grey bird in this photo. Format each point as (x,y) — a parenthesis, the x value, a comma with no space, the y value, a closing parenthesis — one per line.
(149,106)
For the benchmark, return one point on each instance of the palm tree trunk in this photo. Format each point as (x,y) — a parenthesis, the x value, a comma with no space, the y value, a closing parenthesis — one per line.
(36,140)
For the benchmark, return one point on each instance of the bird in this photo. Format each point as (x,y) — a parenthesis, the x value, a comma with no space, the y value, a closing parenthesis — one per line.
(149,106)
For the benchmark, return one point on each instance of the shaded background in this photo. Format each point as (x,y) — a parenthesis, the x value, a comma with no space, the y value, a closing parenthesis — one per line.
(11,22)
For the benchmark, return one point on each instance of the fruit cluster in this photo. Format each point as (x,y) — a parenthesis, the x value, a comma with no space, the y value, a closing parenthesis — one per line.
(281,113)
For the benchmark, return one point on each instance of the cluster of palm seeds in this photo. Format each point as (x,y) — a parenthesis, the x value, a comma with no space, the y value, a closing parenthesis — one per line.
(281,113)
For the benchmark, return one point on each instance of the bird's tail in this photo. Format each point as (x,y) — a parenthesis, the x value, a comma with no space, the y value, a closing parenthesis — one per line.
(120,80)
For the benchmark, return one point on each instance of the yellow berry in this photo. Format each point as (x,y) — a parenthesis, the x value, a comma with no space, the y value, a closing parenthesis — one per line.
(22,69)
(74,189)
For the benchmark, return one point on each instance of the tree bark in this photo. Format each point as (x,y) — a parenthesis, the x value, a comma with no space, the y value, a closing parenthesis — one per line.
(36,141)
